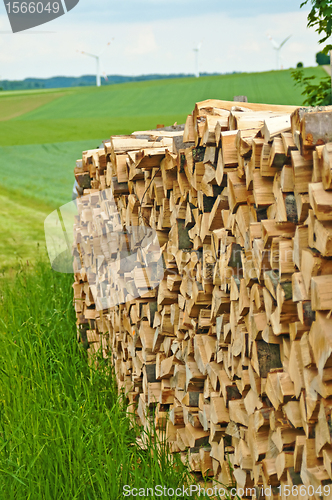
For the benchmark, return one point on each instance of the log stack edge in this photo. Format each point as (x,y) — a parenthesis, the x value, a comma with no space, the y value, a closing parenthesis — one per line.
(233,349)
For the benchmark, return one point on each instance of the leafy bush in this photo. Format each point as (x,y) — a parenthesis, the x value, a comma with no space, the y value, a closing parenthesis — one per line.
(317,94)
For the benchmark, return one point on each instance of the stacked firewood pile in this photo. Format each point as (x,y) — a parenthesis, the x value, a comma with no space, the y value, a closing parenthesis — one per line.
(204,274)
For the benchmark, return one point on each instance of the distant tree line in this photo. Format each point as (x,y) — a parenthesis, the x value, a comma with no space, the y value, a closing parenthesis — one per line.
(85,80)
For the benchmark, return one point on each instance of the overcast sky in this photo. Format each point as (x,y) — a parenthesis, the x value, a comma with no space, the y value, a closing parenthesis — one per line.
(156,36)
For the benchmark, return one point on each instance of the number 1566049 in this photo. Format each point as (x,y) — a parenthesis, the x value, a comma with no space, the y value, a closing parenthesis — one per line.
(32,7)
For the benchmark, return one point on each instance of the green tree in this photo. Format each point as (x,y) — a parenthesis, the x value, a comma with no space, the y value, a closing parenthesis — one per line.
(322,59)
(316,94)
(320,18)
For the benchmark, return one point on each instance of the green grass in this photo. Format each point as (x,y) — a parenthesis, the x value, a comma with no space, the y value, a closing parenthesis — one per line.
(64,432)
(15,105)
(42,172)
(22,232)
(40,179)
(13,133)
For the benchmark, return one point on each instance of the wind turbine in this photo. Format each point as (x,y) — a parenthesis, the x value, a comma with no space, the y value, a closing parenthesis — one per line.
(196,50)
(97,58)
(278,47)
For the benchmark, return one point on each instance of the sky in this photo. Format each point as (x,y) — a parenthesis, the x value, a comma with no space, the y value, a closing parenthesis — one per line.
(158,36)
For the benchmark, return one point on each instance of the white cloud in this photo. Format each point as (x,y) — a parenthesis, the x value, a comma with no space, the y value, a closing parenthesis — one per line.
(143,42)
(133,11)
(164,46)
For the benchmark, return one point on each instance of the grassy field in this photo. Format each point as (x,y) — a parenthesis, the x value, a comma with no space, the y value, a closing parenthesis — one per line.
(35,180)
(64,431)
(42,172)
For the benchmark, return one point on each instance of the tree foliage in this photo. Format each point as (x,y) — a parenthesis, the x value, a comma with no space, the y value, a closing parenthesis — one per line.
(317,94)
(320,17)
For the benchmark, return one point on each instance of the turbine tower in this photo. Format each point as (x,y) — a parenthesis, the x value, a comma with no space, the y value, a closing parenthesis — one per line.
(196,50)
(97,58)
(278,47)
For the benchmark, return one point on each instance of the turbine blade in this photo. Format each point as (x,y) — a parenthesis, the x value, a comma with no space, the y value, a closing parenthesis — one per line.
(87,54)
(286,40)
